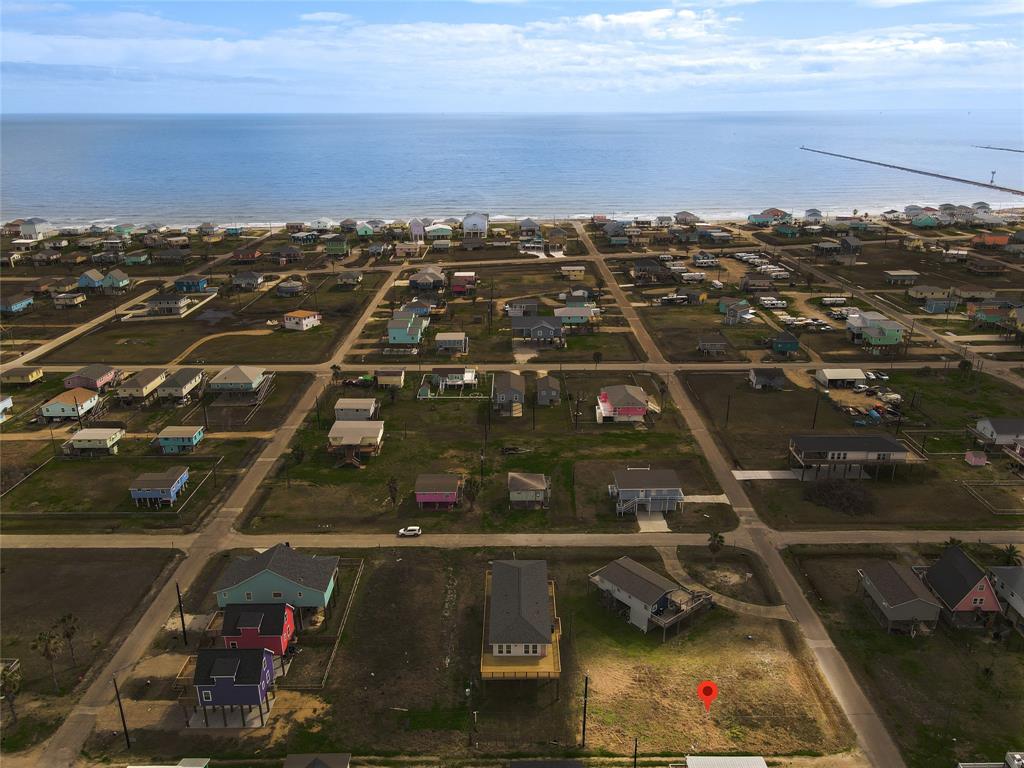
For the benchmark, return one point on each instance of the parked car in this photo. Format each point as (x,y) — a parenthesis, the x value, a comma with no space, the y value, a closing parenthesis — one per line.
(870,376)
(860,388)
(410,530)
(880,375)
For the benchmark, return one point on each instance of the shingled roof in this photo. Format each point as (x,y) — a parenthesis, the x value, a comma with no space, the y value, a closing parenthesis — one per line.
(243,665)
(638,580)
(520,611)
(953,575)
(314,571)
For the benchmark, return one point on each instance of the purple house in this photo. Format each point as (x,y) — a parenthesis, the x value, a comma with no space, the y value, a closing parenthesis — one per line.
(438,491)
(229,677)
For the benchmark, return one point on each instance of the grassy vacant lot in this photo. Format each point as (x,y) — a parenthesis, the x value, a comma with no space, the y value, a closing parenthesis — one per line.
(27,399)
(932,692)
(930,496)
(881,257)
(448,435)
(949,399)
(102,588)
(676,329)
(90,494)
(412,647)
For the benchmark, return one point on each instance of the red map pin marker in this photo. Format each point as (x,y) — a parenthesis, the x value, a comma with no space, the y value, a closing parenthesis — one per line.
(708,692)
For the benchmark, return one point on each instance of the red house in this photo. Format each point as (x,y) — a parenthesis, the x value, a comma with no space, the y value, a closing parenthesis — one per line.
(963,589)
(265,625)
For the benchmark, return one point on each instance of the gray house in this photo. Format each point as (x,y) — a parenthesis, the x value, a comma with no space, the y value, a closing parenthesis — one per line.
(529,490)
(897,597)
(634,588)
(522,307)
(549,391)
(543,329)
(455,342)
(767,378)
(713,343)
(654,490)
(509,393)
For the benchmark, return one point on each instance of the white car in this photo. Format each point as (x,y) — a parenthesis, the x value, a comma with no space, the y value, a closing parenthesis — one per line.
(410,530)
(870,376)
(879,375)
(860,387)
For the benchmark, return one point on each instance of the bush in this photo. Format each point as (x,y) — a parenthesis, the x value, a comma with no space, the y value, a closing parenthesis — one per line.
(847,497)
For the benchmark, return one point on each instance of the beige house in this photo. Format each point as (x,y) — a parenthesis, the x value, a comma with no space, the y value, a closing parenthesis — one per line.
(143,384)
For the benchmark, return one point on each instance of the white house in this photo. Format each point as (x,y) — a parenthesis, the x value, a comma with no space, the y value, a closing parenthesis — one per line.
(70,404)
(999,431)
(321,225)
(840,377)
(301,320)
(417,230)
(1008,582)
(355,408)
(474,226)
(37,229)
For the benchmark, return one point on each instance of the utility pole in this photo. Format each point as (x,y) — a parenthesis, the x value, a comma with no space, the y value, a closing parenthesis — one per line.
(728,407)
(120,706)
(817,402)
(586,695)
(636,744)
(181,614)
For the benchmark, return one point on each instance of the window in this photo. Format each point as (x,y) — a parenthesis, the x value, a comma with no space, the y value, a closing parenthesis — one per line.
(535,649)
(207,696)
(499,649)
(232,644)
(981,587)
(508,649)
(978,601)
(248,596)
(277,595)
(298,594)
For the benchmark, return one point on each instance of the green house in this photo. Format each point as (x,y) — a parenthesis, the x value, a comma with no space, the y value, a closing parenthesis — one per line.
(279,575)
(337,247)
(364,230)
(786,230)
(882,335)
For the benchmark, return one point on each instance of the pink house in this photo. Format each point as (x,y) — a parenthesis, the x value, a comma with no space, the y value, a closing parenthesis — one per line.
(963,589)
(623,402)
(95,377)
(438,491)
(463,283)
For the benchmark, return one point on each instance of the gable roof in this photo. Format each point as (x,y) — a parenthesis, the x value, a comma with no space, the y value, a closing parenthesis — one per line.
(437,483)
(267,618)
(520,610)
(238,374)
(1006,426)
(93,371)
(638,580)
(314,571)
(506,380)
(850,443)
(245,665)
(953,576)
(623,395)
(527,481)
(182,376)
(549,382)
(897,583)
(640,479)
(144,378)
(159,480)
(323,760)
(1013,575)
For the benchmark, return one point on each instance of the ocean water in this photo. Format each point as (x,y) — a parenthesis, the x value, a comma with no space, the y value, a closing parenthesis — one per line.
(259,168)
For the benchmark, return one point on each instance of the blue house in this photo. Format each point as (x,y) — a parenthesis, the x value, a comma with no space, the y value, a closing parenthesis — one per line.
(179,439)
(91,279)
(418,307)
(280,575)
(232,231)
(940,305)
(13,305)
(230,677)
(154,489)
(191,284)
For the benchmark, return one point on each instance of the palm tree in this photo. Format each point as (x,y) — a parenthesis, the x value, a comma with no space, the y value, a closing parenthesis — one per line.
(10,687)
(1011,555)
(49,645)
(68,625)
(715,543)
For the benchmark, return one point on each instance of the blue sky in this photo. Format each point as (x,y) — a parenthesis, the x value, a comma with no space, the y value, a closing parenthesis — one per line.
(509,56)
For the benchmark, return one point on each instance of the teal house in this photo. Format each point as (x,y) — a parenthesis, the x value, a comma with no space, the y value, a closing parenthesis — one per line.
(337,246)
(785,344)
(280,575)
(618,240)
(173,440)
(885,335)
(136,258)
(407,328)
(786,230)
(364,230)
(925,222)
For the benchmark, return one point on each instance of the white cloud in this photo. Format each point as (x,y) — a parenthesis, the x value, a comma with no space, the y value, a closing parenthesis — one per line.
(330,17)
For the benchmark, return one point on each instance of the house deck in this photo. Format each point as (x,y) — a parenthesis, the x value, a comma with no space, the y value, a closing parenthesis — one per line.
(547,667)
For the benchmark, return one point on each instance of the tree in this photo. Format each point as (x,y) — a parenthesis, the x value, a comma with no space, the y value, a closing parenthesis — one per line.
(68,626)
(470,490)
(335,371)
(598,357)
(965,366)
(10,687)
(49,645)
(393,491)
(952,541)
(715,543)
(1011,555)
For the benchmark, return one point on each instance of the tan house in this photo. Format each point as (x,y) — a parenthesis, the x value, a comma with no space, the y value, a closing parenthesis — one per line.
(142,385)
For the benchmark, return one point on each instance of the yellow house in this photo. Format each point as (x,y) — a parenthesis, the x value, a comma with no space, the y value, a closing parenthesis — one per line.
(394,378)
(22,375)
(143,384)
(522,631)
